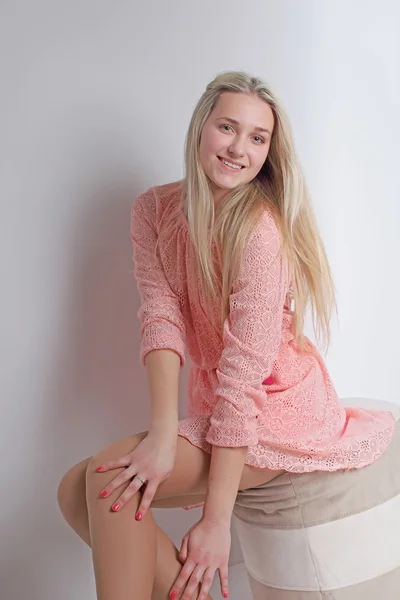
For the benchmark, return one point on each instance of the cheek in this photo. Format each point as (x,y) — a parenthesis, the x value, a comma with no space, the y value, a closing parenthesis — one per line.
(211,143)
(207,152)
(258,160)
(205,147)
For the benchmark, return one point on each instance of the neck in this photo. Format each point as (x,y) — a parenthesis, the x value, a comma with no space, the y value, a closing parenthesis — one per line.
(218,194)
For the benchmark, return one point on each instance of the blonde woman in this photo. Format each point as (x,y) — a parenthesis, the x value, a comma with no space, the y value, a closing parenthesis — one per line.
(227,261)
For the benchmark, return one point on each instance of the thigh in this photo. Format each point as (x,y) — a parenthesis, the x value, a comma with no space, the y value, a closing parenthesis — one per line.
(189,476)
(179,501)
(71,493)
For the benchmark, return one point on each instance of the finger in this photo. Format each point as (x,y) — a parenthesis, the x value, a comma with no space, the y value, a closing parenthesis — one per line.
(182,578)
(126,495)
(223,577)
(184,547)
(114,484)
(193,582)
(207,582)
(124,461)
(147,499)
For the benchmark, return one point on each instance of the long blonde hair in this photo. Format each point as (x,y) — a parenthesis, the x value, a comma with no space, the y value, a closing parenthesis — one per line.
(281,185)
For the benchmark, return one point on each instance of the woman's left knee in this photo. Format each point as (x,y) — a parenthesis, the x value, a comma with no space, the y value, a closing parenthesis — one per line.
(96,480)
(71,491)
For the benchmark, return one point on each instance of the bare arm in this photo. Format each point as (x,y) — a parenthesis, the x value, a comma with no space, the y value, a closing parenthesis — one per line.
(223,484)
(163,368)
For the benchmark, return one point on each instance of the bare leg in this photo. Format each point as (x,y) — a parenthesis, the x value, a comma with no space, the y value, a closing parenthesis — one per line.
(124,551)
(116,536)
(72,501)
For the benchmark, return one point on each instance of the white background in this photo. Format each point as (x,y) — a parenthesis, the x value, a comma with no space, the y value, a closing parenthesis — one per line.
(95,102)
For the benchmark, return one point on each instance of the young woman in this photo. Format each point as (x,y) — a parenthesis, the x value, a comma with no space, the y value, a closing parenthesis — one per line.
(226,262)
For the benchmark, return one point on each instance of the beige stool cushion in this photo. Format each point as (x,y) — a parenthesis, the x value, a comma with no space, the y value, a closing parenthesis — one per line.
(321,535)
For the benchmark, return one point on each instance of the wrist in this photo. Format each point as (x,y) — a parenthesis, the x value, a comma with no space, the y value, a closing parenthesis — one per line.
(217,510)
(167,431)
(213,518)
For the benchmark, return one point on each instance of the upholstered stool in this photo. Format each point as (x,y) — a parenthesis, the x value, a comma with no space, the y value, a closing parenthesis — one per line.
(326,536)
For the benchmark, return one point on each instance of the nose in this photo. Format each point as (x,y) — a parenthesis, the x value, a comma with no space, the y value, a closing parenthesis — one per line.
(237,148)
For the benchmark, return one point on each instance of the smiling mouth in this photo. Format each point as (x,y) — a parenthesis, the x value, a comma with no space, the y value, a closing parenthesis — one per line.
(236,167)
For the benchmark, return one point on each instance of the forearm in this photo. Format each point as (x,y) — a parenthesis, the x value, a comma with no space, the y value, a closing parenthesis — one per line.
(225,473)
(163,369)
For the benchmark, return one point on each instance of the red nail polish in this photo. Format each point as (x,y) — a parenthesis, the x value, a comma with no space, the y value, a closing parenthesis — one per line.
(138,516)
(103,494)
(225,595)
(99,468)
(172,595)
(115,507)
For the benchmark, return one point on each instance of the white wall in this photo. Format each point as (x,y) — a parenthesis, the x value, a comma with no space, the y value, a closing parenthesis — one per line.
(95,102)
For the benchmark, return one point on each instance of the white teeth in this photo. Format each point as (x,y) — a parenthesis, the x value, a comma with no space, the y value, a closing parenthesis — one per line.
(231,164)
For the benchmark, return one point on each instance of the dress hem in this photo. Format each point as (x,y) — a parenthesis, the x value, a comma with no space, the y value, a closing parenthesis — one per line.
(302,462)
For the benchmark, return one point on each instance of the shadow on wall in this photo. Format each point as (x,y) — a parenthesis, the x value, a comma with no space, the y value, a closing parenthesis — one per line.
(100,385)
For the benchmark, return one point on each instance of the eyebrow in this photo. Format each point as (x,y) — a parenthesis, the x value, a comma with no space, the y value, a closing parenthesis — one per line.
(237,123)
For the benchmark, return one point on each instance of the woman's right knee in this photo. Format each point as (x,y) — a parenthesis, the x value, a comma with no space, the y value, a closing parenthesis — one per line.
(71,493)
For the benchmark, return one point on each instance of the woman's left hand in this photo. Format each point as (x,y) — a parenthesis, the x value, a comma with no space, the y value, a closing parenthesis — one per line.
(205,548)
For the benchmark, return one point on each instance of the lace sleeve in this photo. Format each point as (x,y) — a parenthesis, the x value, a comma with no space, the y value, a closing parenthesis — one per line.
(251,336)
(162,324)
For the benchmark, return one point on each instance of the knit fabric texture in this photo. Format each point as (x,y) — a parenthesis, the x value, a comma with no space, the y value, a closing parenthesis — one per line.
(249,385)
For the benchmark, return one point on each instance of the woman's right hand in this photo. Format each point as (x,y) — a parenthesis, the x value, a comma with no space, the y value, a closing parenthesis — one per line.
(153,460)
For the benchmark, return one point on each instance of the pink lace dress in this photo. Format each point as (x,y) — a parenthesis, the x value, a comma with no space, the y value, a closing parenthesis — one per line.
(249,386)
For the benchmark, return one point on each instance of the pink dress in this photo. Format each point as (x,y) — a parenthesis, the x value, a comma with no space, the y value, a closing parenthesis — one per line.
(249,386)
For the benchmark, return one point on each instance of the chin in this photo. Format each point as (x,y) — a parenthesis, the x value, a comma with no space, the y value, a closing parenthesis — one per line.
(226,182)
(225,188)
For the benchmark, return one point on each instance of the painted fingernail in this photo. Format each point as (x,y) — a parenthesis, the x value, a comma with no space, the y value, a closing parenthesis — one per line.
(225,594)
(115,507)
(172,595)
(99,468)
(103,494)
(138,516)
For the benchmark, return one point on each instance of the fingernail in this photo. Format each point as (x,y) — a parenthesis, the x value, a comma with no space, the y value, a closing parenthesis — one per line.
(172,595)
(225,594)
(115,507)
(103,494)
(138,516)
(99,468)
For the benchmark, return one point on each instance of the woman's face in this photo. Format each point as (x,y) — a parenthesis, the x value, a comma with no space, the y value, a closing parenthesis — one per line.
(238,130)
